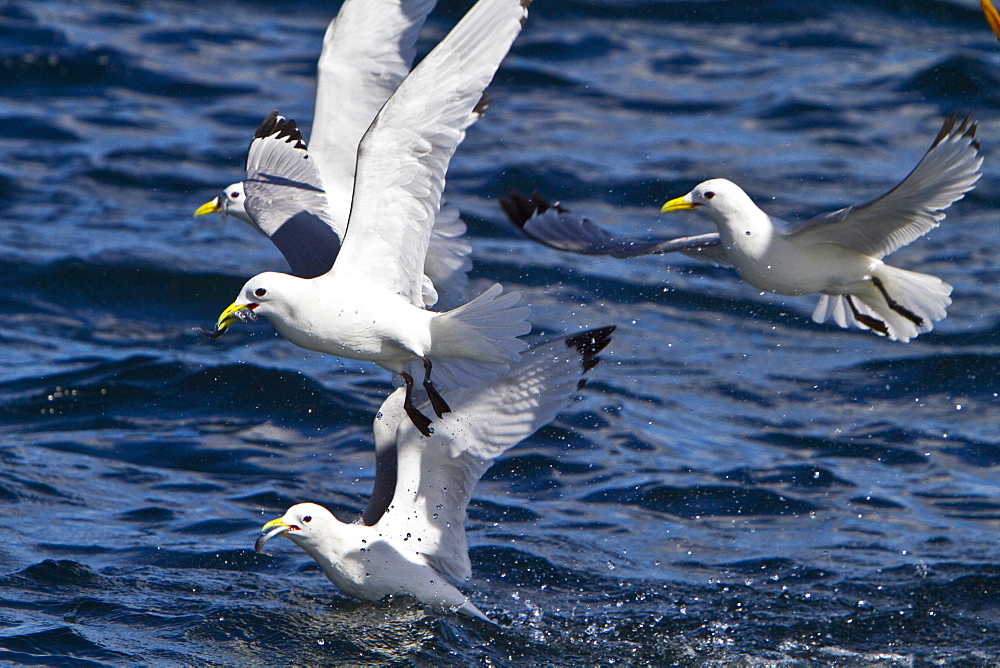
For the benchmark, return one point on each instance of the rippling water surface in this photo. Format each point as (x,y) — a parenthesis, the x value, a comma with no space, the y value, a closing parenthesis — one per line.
(737,483)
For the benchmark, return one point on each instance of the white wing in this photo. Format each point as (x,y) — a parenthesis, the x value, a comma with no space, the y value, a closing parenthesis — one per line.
(437,475)
(557,227)
(448,263)
(367,52)
(947,171)
(403,157)
(285,198)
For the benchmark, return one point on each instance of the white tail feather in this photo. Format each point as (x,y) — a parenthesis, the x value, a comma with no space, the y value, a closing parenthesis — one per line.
(920,299)
(478,340)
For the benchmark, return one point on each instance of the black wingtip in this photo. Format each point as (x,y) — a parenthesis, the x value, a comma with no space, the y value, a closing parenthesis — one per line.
(590,343)
(521,209)
(524,5)
(276,125)
(946,128)
(966,129)
(482,105)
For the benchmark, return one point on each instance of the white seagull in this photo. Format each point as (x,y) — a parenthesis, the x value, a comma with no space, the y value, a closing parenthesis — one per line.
(369,306)
(837,254)
(367,52)
(411,539)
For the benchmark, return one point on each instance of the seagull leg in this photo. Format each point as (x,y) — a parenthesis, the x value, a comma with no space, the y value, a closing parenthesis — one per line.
(874,324)
(437,401)
(896,306)
(419,420)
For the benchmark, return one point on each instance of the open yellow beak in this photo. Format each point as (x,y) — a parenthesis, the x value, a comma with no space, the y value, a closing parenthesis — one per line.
(234,312)
(208,207)
(269,531)
(677,204)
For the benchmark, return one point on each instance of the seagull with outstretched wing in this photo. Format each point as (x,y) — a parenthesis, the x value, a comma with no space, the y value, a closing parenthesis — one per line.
(837,255)
(370,305)
(367,52)
(411,538)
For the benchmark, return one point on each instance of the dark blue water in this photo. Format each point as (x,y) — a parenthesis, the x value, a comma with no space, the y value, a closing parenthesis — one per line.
(736,484)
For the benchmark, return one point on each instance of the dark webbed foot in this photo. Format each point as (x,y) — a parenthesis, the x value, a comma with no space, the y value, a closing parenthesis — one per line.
(874,324)
(896,306)
(419,420)
(438,403)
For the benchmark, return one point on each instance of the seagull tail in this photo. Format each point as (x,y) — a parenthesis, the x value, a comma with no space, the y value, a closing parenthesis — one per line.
(894,303)
(478,340)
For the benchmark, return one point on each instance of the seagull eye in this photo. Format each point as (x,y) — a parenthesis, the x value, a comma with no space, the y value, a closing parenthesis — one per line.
(234,195)
(260,292)
(709,195)
(307,519)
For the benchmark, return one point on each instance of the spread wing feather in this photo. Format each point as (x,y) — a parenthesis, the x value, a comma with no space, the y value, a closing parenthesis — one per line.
(403,157)
(367,52)
(436,475)
(286,200)
(947,171)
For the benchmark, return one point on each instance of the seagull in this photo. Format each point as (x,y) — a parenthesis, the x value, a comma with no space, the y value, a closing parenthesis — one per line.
(411,539)
(837,254)
(366,54)
(370,305)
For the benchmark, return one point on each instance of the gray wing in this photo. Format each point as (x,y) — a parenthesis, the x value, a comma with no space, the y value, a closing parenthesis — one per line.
(285,198)
(947,171)
(437,475)
(557,227)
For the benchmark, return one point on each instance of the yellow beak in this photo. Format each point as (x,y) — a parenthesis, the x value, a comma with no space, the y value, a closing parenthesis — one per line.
(208,207)
(992,17)
(677,204)
(234,312)
(269,531)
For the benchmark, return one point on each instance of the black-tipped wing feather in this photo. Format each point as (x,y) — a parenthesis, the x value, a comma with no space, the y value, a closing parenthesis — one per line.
(589,344)
(557,227)
(947,171)
(286,200)
(437,475)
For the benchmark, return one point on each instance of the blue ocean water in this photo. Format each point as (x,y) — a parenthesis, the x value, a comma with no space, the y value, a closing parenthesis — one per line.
(736,485)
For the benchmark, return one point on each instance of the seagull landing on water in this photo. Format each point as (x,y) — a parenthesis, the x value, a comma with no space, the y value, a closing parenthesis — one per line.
(412,541)
(838,254)
(300,200)
(370,305)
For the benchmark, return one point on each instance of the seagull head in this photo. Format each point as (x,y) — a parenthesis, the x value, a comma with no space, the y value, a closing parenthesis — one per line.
(304,524)
(228,203)
(270,294)
(720,199)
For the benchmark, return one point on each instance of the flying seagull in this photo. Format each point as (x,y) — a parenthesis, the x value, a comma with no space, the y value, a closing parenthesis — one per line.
(837,255)
(369,306)
(367,52)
